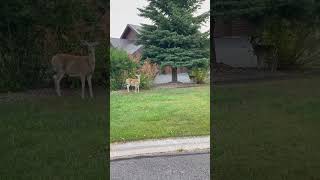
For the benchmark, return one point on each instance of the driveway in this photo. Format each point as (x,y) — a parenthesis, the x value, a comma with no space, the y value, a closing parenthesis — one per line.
(194,166)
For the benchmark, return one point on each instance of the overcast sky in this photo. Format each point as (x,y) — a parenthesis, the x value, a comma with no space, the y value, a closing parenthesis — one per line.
(123,12)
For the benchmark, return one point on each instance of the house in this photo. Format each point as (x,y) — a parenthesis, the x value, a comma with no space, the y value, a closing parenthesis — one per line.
(232,43)
(128,43)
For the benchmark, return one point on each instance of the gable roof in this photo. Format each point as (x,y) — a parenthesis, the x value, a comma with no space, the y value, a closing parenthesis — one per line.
(137,28)
(127,45)
(132,27)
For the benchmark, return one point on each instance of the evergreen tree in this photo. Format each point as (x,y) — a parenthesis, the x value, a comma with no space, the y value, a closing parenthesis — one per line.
(174,38)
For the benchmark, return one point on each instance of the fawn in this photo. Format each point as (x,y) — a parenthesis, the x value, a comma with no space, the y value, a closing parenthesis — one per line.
(133,82)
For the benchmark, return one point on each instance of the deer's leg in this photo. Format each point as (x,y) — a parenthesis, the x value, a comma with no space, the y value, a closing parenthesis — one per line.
(135,88)
(83,84)
(58,78)
(138,88)
(128,87)
(55,82)
(90,85)
(258,62)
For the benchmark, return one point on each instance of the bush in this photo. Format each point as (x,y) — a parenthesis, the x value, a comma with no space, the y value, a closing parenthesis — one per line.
(295,44)
(145,81)
(199,75)
(122,67)
(23,69)
(149,69)
(100,74)
(125,66)
(148,72)
(27,48)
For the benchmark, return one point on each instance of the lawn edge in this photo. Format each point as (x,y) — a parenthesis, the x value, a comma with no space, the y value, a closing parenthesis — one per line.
(156,147)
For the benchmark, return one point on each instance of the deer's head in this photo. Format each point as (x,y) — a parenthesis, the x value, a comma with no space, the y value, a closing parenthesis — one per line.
(91,46)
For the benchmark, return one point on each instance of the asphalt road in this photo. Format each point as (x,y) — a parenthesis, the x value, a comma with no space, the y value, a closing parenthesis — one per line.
(176,167)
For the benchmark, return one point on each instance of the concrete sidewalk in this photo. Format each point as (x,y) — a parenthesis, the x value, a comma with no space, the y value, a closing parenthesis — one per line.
(159,146)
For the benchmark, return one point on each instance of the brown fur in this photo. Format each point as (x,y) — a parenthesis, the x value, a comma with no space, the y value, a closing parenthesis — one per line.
(81,66)
(133,82)
(72,65)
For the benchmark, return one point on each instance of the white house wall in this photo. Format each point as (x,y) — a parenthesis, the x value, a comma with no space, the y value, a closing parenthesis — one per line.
(166,78)
(235,51)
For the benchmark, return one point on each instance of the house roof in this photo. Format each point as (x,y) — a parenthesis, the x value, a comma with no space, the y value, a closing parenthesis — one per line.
(127,45)
(137,28)
(129,27)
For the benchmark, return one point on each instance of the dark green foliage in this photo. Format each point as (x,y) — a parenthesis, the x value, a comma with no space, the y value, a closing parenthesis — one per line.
(122,67)
(199,75)
(296,43)
(260,9)
(100,75)
(293,22)
(31,32)
(145,81)
(174,38)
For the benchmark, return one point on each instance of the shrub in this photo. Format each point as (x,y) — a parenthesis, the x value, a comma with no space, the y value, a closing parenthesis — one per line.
(100,73)
(199,75)
(148,72)
(145,81)
(122,67)
(149,69)
(295,44)
(22,70)
(27,48)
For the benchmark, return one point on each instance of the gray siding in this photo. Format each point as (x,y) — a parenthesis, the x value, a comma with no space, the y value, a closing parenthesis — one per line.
(235,27)
(166,78)
(235,51)
(131,35)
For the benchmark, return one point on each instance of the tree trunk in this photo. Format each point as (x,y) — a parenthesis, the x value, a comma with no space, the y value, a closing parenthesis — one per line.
(274,65)
(213,51)
(213,54)
(213,47)
(174,74)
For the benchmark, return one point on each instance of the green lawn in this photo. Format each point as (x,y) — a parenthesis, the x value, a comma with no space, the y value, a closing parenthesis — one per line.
(160,113)
(54,138)
(267,131)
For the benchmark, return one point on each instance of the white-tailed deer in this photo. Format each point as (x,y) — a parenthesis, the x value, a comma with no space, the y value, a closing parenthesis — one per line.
(133,82)
(75,66)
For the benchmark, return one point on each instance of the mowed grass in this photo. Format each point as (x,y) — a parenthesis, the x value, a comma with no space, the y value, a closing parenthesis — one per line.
(267,131)
(54,138)
(160,113)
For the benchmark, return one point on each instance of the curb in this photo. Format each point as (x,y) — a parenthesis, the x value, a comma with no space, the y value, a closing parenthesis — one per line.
(159,147)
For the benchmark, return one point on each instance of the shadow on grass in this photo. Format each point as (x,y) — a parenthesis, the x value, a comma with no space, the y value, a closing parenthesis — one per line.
(267,130)
(54,138)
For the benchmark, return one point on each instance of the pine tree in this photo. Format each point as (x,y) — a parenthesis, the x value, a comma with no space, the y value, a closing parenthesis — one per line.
(174,39)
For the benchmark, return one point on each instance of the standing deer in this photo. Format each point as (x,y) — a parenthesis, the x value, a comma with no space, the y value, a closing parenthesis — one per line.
(133,82)
(75,66)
